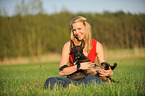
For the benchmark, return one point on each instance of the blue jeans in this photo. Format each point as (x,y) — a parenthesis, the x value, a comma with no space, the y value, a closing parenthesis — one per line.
(50,82)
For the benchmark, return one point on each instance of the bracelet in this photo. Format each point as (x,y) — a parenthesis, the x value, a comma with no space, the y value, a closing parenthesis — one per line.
(61,68)
(78,66)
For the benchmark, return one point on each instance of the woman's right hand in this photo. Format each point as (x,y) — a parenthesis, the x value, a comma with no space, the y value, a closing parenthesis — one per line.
(86,65)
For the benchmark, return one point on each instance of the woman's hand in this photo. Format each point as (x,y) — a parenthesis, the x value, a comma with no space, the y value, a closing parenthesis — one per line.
(106,72)
(86,65)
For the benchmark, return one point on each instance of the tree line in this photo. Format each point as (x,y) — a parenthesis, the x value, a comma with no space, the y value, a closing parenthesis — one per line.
(35,35)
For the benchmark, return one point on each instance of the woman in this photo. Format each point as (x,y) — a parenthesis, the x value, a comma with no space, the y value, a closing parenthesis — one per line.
(80,30)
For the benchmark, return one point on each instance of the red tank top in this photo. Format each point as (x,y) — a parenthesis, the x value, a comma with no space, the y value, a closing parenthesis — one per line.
(91,56)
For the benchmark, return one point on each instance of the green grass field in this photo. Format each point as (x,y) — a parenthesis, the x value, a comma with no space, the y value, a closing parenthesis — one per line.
(28,79)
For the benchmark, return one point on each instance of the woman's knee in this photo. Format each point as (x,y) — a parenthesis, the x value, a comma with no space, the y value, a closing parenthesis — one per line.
(92,79)
(50,82)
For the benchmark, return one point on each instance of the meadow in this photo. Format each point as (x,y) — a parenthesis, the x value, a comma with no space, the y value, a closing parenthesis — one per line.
(28,79)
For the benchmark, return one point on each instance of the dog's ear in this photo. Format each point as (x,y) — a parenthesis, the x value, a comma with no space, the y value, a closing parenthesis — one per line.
(82,44)
(72,44)
(114,66)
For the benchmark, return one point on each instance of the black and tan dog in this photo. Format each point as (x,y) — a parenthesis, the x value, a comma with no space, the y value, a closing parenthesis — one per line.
(79,57)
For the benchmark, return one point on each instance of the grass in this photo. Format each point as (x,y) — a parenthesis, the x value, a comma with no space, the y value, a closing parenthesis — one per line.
(124,53)
(28,79)
(53,57)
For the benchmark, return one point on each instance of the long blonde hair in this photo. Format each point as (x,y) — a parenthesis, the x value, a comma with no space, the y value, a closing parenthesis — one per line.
(88,43)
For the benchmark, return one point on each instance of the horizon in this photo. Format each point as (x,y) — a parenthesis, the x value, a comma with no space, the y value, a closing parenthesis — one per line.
(95,6)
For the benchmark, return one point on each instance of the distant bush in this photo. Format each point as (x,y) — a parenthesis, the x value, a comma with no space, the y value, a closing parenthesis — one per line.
(34,35)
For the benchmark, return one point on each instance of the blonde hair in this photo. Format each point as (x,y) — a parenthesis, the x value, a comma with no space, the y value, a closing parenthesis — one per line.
(88,43)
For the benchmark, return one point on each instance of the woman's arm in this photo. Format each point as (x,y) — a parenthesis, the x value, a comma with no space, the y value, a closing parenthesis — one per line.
(100,53)
(101,58)
(65,59)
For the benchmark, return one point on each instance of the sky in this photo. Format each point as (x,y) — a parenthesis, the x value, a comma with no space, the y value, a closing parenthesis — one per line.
(74,6)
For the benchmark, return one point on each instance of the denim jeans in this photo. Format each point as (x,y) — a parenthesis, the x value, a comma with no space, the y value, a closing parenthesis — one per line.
(50,82)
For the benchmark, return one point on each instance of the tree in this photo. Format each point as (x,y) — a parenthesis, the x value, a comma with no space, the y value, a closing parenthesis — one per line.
(31,7)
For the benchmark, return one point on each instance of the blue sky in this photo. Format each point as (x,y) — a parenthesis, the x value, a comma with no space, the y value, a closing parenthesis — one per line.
(74,6)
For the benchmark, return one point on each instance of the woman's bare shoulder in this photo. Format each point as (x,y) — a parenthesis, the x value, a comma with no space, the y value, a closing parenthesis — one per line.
(66,47)
(67,44)
(99,45)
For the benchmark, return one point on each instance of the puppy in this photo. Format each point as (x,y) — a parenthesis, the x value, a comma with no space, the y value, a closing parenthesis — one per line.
(106,66)
(79,57)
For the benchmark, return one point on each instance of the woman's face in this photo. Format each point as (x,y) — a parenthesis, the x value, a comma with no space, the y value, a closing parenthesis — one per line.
(79,30)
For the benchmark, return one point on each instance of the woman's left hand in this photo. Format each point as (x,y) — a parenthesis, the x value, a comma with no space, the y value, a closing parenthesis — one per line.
(106,72)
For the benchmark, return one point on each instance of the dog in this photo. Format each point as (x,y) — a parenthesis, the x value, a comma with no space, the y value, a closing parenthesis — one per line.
(107,66)
(79,57)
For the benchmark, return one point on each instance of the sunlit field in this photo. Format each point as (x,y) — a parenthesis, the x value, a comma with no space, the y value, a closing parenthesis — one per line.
(28,79)
(31,43)
(55,57)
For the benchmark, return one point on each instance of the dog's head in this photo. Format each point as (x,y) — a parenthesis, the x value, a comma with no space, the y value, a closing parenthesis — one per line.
(107,66)
(78,50)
